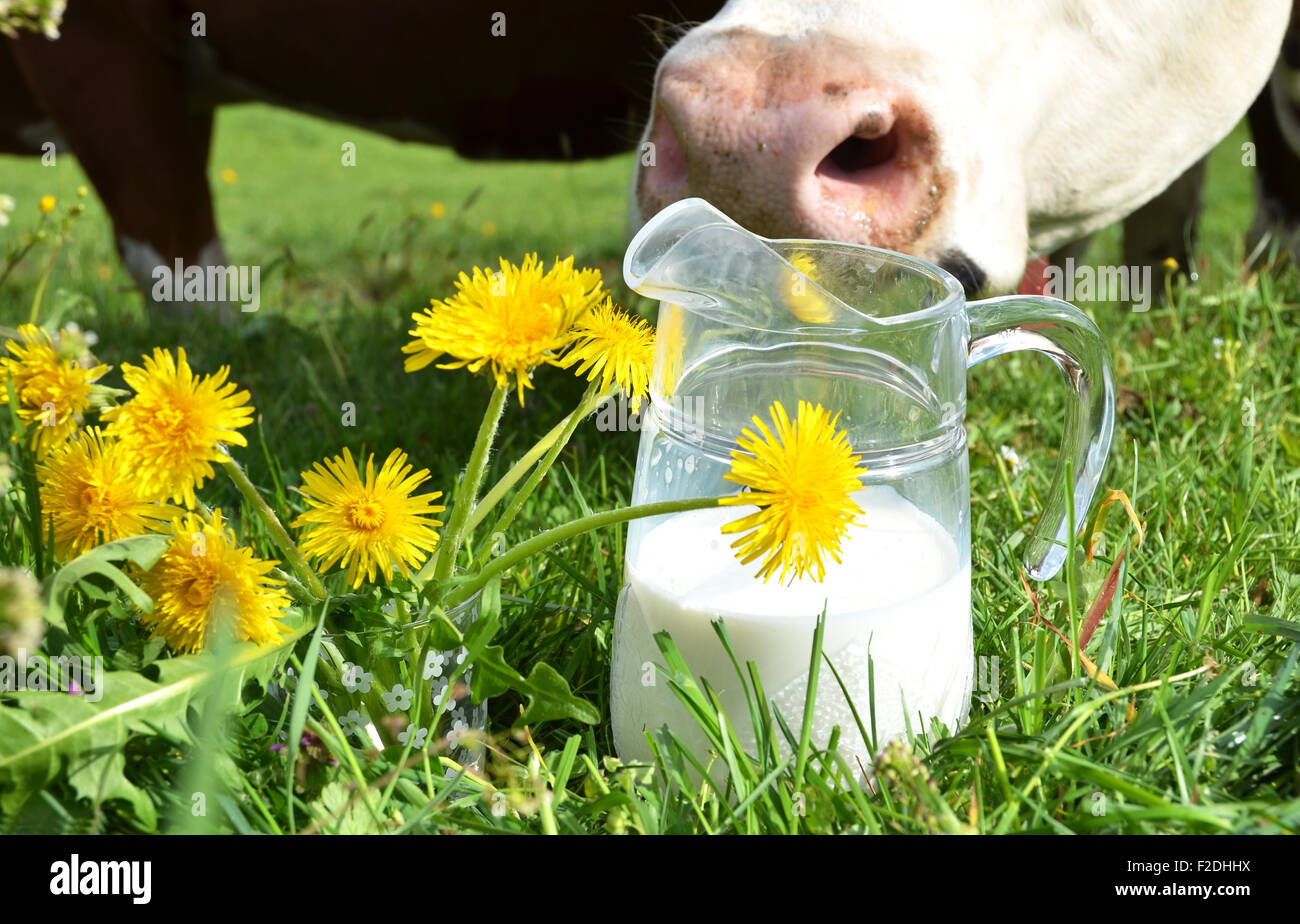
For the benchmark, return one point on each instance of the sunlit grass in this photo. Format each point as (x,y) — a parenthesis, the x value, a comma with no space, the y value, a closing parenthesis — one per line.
(1200,638)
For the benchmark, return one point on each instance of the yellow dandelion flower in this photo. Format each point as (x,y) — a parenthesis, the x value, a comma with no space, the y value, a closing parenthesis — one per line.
(512,320)
(204,580)
(616,347)
(364,524)
(47,204)
(807,306)
(489,228)
(228,175)
(437,210)
(171,430)
(670,330)
(53,391)
(802,477)
(90,495)
(804,263)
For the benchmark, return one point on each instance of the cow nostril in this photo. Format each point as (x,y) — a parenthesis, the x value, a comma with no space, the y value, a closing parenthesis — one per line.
(855,154)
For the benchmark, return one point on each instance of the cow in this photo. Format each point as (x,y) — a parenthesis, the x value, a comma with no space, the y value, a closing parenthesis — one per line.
(974,135)
(979,135)
(131,86)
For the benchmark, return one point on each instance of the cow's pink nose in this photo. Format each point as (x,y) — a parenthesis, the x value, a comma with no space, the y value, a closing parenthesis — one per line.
(791,149)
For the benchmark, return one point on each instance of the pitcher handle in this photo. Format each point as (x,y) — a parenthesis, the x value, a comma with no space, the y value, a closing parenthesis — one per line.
(1072,340)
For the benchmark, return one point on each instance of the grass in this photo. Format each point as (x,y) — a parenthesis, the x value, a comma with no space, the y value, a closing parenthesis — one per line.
(1199,735)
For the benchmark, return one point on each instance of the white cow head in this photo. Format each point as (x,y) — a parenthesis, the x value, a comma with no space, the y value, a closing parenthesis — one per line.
(967,132)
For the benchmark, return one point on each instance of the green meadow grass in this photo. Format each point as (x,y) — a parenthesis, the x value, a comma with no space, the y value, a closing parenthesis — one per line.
(1200,638)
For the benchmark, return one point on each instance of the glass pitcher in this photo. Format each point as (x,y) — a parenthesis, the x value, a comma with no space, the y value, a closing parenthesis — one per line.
(884,340)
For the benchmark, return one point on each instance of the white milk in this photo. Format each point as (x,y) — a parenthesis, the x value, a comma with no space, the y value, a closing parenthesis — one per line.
(902,591)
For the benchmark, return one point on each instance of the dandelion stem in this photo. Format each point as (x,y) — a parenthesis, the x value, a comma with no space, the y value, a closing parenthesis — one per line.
(423,699)
(349,755)
(567,531)
(15,259)
(279,535)
(43,281)
(558,434)
(444,560)
(590,401)
(294,586)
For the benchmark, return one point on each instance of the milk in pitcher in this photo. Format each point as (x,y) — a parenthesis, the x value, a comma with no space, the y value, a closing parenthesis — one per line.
(898,620)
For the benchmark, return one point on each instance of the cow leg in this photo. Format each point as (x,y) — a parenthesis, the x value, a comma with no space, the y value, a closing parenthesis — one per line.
(1275,124)
(1166,226)
(22,120)
(1075,250)
(118,93)
(175,232)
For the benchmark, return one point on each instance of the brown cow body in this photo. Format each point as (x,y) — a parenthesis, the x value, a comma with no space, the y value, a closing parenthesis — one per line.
(132,89)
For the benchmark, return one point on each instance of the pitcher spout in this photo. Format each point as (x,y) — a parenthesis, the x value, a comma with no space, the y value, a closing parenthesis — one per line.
(648,259)
(692,255)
